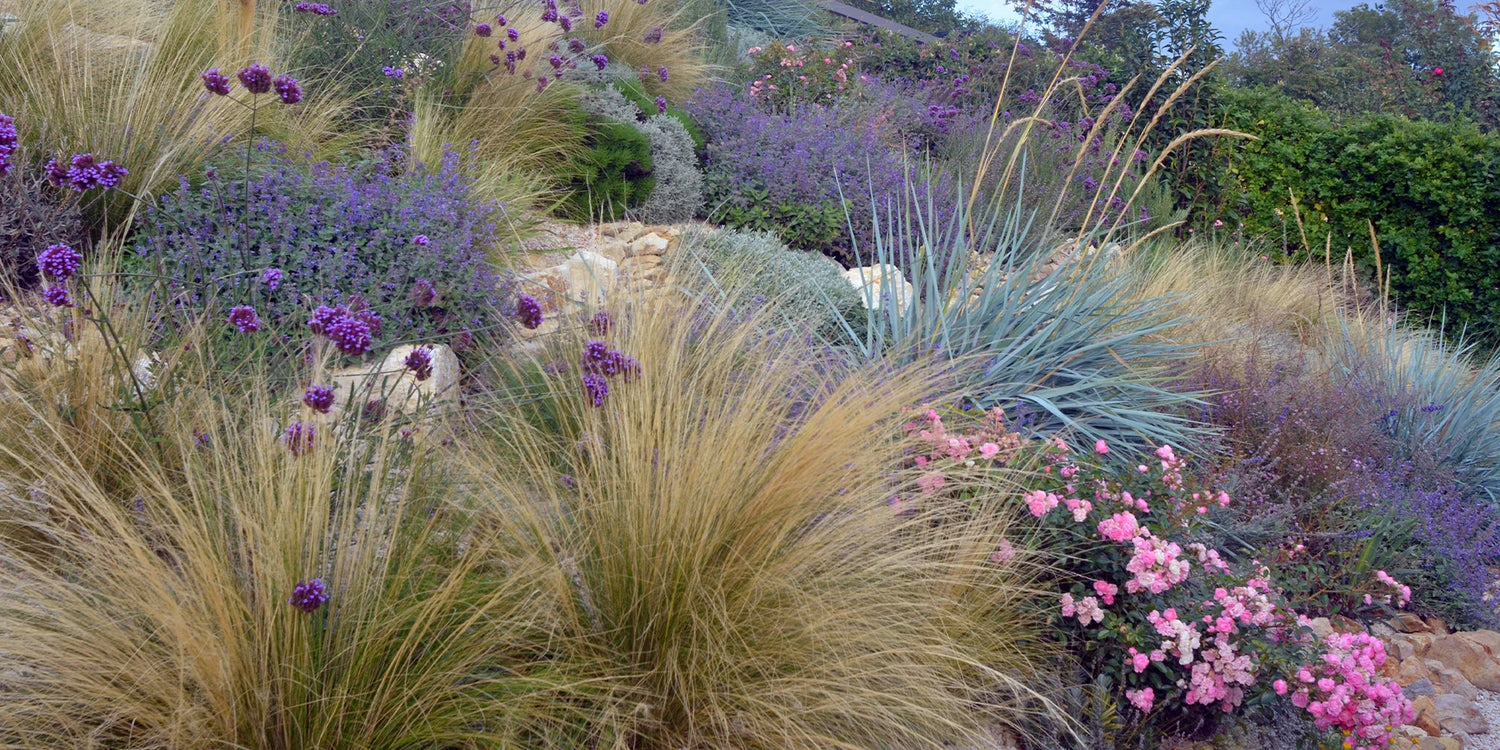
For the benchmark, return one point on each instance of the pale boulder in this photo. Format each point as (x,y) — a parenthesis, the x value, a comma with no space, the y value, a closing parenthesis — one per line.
(874,283)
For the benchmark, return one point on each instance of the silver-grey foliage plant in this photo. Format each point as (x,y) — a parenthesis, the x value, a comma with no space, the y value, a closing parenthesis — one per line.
(678,194)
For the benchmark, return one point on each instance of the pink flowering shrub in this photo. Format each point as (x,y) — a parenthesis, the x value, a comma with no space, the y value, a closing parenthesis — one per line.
(1181,633)
(783,77)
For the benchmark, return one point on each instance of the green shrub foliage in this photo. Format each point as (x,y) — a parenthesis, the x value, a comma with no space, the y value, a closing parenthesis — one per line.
(615,174)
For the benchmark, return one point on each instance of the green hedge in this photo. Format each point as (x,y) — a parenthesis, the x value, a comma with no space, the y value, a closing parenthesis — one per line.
(1430,188)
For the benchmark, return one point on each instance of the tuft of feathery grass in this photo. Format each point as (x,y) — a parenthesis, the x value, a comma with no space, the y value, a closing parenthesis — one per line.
(681,47)
(724,557)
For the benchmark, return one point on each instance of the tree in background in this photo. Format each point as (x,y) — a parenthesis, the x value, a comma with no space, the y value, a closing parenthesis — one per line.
(932,16)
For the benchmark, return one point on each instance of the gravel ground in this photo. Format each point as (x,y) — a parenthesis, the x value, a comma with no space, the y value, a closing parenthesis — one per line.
(1488,704)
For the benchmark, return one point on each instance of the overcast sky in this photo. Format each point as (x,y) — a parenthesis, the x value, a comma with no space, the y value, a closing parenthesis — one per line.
(1230,17)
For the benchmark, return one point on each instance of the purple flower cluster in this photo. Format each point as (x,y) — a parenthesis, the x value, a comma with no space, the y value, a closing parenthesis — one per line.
(601,323)
(308,596)
(419,361)
(653,36)
(600,362)
(244,318)
(319,398)
(215,82)
(661,105)
(288,89)
(256,78)
(528,310)
(298,437)
(596,387)
(317,9)
(57,296)
(272,278)
(600,61)
(483,29)
(9,141)
(84,172)
(299,222)
(59,262)
(601,19)
(392,72)
(351,328)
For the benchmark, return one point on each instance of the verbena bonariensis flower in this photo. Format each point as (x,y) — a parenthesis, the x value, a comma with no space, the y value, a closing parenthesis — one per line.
(308,596)
(58,262)
(662,73)
(566,24)
(288,89)
(661,105)
(501,20)
(244,318)
(515,36)
(596,388)
(271,278)
(256,78)
(215,82)
(9,141)
(601,323)
(57,296)
(423,293)
(85,173)
(528,310)
(298,437)
(317,9)
(350,330)
(601,19)
(483,29)
(419,361)
(599,358)
(576,45)
(319,398)
(600,61)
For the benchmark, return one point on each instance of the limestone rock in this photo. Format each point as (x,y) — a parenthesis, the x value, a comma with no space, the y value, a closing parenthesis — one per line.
(1447,679)
(874,283)
(1406,622)
(615,250)
(1439,743)
(648,244)
(1420,687)
(1456,713)
(1488,640)
(1468,658)
(584,275)
(1426,711)
(391,381)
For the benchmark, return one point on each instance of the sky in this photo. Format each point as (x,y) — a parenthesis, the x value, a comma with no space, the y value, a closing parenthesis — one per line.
(1230,17)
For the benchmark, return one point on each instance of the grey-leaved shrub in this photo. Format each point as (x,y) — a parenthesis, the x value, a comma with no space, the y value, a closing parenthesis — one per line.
(679,185)
(802,287)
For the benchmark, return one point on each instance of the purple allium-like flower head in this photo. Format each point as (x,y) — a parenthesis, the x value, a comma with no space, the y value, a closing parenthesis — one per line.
(483,29)
(57,296)
(244,318)
(495,60)
(256,78)
(653,36)
(576,45)
(528,310)
(215,82)
(58,262)
(288,89)
(600,61)
(351,332)
(555,61)
(515,36)
(420,240)
(541,84)
(9,141)
(298,437)
(661,105)
(393,72)
(549,12)
(601,323)
(308,596)
(501,20)
(271,278)
(601,19)
(423,293)
(596,387)
(419,361)
(317,9)
(57,174)
(566,24)
(85,173)
(662,73)
(319,398)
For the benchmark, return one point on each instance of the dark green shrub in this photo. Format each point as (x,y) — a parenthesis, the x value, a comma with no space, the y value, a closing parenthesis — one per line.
(1429,189)
(613,175)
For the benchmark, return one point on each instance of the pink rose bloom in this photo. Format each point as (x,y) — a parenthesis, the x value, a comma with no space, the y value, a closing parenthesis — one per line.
(1005,553)
(930,483)
(1107,592)
(1279,686)
(988,450)
(1139,662)
(1141,699)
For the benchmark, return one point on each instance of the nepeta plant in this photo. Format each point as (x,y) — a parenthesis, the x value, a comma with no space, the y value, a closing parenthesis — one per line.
(330,232)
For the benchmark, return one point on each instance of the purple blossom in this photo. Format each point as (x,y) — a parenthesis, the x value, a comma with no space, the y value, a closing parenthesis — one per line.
(653,36)
(500,20)
(420,240)
(256,78)
(555,61)
(662,73)
(601,19)
(528,310)
(9,141)
(515,36)
(59,262)
(566,24)
(393,72)
(419,361)
(601,323)
(215,82)
(661,105)
(288,89)
(298,437)
(541,84)
(85,173)
(350,331)
(576,46)
(317,9)
(549,11)
(308,596)
(423,293)
(482,29)
(319,398)
(244,318)
(57,296)
(596,387)
(271,278)
(600,61)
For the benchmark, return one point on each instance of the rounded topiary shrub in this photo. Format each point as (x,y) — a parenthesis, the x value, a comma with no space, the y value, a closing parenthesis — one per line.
(408,242)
